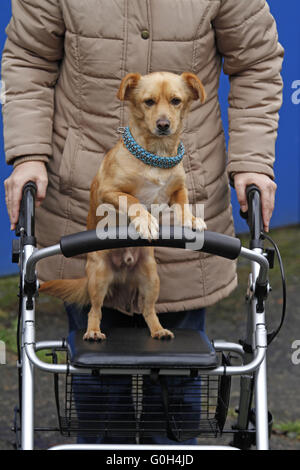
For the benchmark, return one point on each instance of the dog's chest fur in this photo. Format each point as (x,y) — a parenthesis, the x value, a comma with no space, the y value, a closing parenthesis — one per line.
(154,188)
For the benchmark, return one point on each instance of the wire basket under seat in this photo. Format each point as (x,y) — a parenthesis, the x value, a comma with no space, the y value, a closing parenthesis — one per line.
(132,406)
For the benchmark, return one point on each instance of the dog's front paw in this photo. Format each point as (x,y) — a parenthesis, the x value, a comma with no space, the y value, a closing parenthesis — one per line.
(94,335)
(198,224)
(147,226)
(195,223)
(162,333)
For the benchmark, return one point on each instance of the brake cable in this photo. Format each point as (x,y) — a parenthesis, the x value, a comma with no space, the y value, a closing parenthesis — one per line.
(271,336)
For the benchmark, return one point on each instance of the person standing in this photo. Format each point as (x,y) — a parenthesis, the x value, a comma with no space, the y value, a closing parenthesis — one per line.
(62,64)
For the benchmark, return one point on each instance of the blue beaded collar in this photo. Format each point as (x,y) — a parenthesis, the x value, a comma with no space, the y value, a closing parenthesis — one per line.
(149,158)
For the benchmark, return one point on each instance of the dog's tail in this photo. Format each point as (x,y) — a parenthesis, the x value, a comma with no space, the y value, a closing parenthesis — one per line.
(69,290)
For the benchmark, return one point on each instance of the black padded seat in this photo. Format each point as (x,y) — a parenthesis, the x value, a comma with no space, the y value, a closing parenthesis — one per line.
(134,347)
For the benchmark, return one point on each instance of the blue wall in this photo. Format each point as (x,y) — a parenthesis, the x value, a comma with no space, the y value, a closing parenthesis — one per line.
(6,267)
(287,166)
(288,144)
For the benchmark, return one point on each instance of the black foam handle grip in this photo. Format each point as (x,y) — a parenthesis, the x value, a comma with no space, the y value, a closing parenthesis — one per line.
(178,237)
(254,215)
(27,210)
(30,185)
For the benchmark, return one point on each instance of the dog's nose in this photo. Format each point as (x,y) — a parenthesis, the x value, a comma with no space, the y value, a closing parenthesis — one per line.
(163,125)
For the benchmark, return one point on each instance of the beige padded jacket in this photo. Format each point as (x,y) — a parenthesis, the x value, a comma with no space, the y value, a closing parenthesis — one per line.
(62,65)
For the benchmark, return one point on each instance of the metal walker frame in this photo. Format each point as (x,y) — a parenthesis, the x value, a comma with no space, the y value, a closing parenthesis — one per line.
(253,355)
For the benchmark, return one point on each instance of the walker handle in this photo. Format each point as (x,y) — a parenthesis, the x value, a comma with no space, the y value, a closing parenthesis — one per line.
(26,220)
(253,216)
(208,242)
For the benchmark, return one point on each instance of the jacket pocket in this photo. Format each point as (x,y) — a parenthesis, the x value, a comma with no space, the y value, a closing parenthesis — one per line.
(195,175)
(68,161)
(195,181)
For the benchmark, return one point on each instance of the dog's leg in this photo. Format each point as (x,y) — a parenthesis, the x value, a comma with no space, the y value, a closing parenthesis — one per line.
(182,212)
(93,331)
(100,277)
(148,284)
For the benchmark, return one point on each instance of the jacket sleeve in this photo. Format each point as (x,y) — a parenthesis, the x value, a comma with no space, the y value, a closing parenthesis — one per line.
(247,39)
(30,67)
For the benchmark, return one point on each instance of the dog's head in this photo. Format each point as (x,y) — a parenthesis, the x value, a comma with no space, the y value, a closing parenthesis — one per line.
(160,100)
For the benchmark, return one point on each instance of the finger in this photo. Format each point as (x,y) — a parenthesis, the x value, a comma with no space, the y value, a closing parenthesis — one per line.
(16,196)
(265,213)
(267,204)
(240,189)
(6,193)
(8,198)
(41,190)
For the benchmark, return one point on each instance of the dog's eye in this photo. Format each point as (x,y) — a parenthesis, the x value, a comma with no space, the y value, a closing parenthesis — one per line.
(149,102)
(175,101)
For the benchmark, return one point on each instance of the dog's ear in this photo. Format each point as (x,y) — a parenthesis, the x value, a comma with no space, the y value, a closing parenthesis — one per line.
(128,83)
(195,86)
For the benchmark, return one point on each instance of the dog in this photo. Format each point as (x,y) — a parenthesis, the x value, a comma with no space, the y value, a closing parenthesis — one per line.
(158,103)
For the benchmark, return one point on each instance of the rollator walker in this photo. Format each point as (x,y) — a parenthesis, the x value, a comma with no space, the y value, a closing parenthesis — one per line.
(190,358)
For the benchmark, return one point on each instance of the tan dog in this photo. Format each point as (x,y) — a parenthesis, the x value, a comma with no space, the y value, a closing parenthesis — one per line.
(158,103)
